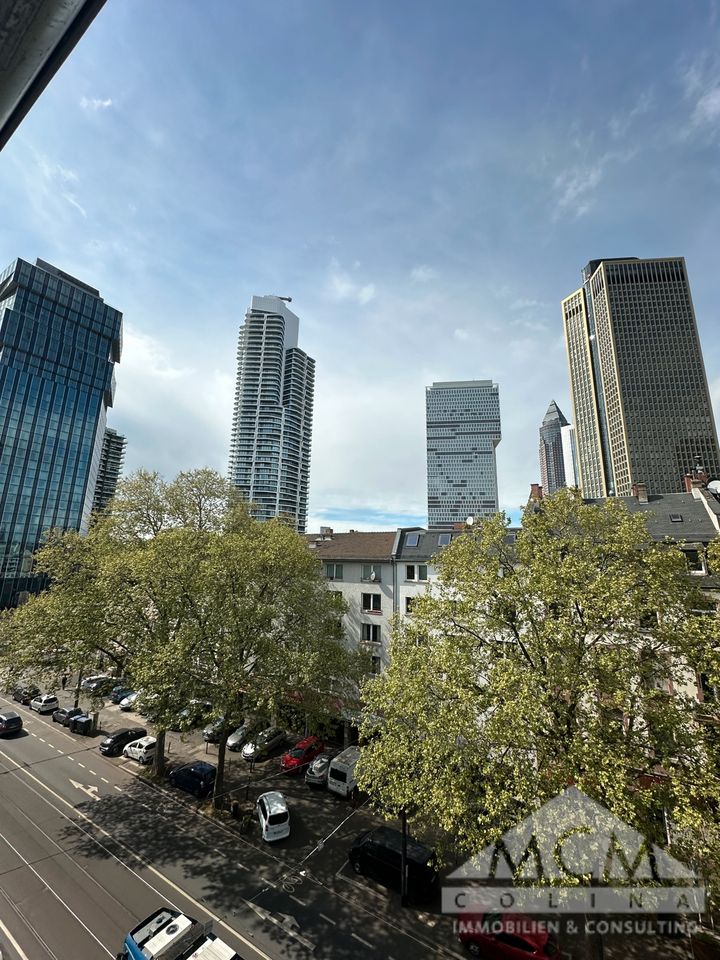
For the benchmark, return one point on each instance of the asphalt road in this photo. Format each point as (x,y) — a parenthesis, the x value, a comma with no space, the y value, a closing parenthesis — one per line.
(87,850)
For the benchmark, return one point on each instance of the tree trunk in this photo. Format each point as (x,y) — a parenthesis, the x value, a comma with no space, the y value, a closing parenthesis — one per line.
(159,760)
(219,788)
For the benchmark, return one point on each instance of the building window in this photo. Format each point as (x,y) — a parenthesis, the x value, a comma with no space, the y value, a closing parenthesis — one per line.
(409,604)
(412,539)
(371,603)
(334,571)
(371,632)
(375,665)
(444,539)
(416,571)
(372,571)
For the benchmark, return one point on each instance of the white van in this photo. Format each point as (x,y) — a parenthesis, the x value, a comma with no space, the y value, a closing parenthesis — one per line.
(341,773)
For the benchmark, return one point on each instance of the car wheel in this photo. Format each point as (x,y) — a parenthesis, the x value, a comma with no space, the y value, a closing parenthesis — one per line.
(356,867)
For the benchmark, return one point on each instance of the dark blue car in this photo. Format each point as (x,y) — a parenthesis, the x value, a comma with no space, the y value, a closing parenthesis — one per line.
(197,777)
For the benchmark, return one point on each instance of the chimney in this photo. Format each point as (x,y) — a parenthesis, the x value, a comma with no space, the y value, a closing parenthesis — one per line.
(536,492)
(639,490)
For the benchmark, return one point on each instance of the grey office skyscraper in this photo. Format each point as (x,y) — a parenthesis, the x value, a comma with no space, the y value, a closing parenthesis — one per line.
(109,469)
(59,343)
(272,421)
(552,459)
(463,430)
(640,394)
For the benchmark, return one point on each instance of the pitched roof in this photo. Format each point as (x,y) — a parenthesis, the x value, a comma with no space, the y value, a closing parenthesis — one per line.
(554,414)
(355,545)
(695,525)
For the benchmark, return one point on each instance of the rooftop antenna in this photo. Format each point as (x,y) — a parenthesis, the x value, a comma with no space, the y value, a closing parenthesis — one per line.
(288,299)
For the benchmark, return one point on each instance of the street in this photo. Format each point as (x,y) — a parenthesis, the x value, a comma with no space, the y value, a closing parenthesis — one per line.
(87,849)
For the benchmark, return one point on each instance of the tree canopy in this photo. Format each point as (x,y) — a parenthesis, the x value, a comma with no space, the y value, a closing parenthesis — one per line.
(180,590)
(566,657)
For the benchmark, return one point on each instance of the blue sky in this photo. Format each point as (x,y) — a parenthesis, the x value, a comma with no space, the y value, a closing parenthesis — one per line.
(426,181)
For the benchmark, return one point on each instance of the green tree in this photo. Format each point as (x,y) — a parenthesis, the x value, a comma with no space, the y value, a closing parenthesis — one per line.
(565,658)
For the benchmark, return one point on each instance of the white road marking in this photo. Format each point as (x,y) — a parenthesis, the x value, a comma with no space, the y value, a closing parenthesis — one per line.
(18,949)
(92,772)
(360,940)
(104,780)
(119,789)
(81,765)
(241,865)
(297,899)
(328,919)
(57,896)
(91,790)
(136,856)
(40,738)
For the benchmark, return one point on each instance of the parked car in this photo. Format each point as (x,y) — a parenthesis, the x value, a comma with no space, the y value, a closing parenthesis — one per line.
(238,738)
(45,703)
(142,750)
(113,744)
(196,777)
(119,692)
(378,852)
(191,715)
(101,686)
(147,704)
(25,693)
(65,714)
(274,816)
(213,731)
(10,722)
(341,772)
(89,682)
(260,746)
(505,936)
(128,702)
(317,773)
(298,757)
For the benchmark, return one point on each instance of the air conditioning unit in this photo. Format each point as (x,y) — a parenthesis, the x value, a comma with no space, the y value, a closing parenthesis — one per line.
(161,943)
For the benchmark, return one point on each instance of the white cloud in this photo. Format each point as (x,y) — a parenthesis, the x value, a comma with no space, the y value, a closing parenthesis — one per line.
(461,334)
(574,188)
(423,274)
(341,286)
(525,304)
(621,122)
(707,108)
(94,103)
(73,201)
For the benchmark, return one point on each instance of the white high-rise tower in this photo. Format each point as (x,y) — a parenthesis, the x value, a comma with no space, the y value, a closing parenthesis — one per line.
(272,421)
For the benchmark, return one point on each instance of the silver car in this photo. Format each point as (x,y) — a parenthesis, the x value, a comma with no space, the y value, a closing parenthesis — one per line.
(317,773)
(263,744)
(238,738)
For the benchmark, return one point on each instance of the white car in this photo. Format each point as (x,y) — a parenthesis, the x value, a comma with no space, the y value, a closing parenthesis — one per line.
(142,750)
(45,703)
(274,816)
(129,702)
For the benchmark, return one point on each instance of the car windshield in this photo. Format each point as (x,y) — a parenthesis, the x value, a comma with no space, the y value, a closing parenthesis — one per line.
(297,752)
(276,818)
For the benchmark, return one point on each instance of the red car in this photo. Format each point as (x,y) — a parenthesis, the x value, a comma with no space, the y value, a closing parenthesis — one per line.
(505,936)
(303,753)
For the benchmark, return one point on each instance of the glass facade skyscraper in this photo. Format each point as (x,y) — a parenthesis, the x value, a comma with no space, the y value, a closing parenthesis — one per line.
(463,430)
(641,402)
(272,419)
(59,343)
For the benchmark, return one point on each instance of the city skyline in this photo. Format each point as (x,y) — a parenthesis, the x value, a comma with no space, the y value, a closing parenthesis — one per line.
(428,220)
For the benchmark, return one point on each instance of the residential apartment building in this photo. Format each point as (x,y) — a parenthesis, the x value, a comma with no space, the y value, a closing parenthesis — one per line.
(110,468)
(552,457)
(642,410)
(272,419)
(59,343)
(463,431)
(378,575)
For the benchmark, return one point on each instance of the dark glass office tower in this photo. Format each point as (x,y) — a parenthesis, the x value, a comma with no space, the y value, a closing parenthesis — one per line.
(58,345)
(641,402)
(552,460)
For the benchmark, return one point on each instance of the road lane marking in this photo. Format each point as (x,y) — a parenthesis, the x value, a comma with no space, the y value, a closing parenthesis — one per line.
(364,942)
(328,919)
(104,780)
(297,899)
(136,856)
(81,764)
(119,789)
(92,772)
(56,895)
(18,949)
(91,790)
